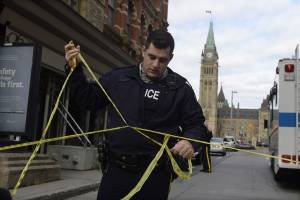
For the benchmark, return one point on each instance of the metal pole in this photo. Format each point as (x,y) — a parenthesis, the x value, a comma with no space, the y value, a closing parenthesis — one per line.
(65,117)
(74,121)
(231,112)
(46,112)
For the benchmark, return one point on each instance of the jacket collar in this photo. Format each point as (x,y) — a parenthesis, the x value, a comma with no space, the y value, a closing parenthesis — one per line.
(172,79)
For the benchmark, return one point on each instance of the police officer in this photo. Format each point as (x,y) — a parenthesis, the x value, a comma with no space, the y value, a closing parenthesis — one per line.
(151,96)
(206,159)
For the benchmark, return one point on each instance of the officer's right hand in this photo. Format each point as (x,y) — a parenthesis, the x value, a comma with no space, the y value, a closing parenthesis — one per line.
(71,54)
(183,148)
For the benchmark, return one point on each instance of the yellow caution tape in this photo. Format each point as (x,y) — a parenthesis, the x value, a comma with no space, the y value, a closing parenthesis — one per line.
(42,137)
(176,168)
(103,90)
(148,170)
(10,147)
(153,163)
(25,144)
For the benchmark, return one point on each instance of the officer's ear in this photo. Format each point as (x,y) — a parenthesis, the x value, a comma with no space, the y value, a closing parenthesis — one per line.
(171,56)
(143,49)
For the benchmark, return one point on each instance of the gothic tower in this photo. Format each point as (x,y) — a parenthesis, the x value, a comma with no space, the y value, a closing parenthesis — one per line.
(209,80)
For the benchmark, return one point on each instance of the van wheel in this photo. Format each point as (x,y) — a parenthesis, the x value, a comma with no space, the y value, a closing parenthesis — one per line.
(281,175)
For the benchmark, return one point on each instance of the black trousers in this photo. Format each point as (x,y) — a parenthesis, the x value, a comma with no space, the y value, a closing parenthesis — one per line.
(116,183)
(206,158)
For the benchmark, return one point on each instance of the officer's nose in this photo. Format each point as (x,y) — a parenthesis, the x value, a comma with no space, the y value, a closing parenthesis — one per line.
(156,63)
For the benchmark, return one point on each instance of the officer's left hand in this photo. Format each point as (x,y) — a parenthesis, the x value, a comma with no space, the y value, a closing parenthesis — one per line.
(184,148)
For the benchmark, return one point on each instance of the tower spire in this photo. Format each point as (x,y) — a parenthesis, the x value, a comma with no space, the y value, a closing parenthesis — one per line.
(210,41)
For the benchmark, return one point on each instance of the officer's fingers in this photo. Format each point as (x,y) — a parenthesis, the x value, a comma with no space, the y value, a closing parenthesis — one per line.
(179,147)
(78,49)
(188,154)
(69,46)
(73,60)
(175,150)
(73,50)
(71,55)
(187,151)
(184,151)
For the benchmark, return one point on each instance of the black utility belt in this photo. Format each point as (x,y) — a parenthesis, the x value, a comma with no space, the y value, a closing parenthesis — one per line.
(135,162)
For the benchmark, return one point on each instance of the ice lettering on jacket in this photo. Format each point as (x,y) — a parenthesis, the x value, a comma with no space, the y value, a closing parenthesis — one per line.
(152,94)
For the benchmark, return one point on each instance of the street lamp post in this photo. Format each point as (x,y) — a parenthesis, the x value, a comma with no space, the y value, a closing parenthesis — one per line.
(231,112)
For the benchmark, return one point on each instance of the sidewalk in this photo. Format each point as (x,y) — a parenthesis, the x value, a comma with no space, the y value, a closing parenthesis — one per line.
(72,183)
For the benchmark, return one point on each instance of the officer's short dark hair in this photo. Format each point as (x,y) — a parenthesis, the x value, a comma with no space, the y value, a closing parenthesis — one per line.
(160,39)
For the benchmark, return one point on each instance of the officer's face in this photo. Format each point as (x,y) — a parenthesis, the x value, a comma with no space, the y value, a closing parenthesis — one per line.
(155,61)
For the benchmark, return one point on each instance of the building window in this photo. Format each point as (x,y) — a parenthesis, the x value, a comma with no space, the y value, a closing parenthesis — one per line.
(111,11)
(129,18)
(142,28)
(143,23)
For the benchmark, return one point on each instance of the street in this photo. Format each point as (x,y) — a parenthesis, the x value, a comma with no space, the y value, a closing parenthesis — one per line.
(236,176)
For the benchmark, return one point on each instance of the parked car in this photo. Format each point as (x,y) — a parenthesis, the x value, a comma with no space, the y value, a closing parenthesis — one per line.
(245,146)
(217,146)
(229,141)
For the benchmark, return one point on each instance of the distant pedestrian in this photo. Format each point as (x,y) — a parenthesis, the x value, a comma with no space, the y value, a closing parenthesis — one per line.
(206,159)
(5,194)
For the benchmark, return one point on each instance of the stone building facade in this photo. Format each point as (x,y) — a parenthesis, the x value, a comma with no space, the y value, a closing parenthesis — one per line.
(126,21)
(248,125)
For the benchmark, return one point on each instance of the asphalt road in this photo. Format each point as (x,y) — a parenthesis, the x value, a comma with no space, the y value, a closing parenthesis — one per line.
(237,176)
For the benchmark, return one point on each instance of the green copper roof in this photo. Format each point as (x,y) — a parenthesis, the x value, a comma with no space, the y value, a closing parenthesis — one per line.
(210,41)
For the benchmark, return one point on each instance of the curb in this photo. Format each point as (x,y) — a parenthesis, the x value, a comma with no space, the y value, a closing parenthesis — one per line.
(63,194)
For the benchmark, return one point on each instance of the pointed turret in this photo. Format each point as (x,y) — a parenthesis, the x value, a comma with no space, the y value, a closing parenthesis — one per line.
(221,96)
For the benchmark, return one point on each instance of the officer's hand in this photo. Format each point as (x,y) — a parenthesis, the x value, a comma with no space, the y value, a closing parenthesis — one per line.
(184,148)
(71,54)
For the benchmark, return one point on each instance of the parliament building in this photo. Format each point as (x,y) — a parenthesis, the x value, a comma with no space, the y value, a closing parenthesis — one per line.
(244,124)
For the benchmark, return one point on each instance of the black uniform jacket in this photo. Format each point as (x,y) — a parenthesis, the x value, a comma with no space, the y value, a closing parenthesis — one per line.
(168,105)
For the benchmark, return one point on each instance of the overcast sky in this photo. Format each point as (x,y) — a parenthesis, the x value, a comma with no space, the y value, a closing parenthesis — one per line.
(250,35)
